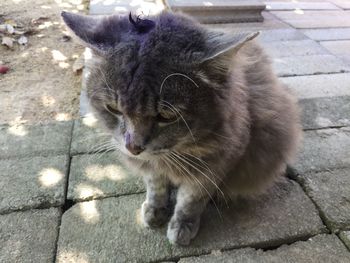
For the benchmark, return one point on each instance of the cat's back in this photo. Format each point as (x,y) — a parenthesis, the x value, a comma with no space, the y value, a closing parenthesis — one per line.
(268,96)
(274,123)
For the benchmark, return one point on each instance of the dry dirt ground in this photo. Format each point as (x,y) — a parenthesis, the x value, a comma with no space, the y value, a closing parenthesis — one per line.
(40,85)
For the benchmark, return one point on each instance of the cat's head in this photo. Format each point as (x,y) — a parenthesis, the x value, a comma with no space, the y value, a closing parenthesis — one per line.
(158,84)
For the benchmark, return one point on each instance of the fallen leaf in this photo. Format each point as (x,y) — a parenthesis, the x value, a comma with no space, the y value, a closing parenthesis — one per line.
(7,41)
(22,40)
(78,64)
(3,69)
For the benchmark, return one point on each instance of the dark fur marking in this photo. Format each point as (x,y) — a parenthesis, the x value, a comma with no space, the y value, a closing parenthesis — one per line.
(142,26)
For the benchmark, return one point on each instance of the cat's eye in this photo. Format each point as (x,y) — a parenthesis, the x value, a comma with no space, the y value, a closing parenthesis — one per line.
(113,110)
(166,119)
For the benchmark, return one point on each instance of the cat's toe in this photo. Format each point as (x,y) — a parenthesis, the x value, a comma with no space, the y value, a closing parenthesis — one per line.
(182,232)
(154,217)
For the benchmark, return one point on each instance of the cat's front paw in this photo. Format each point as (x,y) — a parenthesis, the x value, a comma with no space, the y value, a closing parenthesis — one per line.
(154,217)
(181,232)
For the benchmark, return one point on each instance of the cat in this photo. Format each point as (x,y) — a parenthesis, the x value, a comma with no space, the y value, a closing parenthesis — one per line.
(188,107)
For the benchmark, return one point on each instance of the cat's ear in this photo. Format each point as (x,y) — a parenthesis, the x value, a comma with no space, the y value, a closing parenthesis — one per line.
(222,46)
(97,33)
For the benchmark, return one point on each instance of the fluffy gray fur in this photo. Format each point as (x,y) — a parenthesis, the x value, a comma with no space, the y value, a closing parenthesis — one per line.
(197,109)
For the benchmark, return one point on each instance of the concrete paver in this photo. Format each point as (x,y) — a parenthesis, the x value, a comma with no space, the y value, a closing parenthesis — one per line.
(32,182)
(23,141)
(315,19)
(339,47)
(327,34)
(100,175)
(321,248)
(88,137)
(270,22)
(29,236)
(345,236)
(280,49)
(220,11)
(270,35)
(325,112)
(309,65)
(330,190)
(344,4)
(319,86)
(293,5)
(324,99)
(324,149)
(112,229)
(123,7)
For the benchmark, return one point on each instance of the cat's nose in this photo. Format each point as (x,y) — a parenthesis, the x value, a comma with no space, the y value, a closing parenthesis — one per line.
(132,146)
(134,149)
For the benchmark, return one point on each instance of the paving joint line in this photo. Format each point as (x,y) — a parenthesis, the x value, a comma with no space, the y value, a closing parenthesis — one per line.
(316,74)
(91,153)
(74,202)
(319,210)
(327,127)
(271,248)
(341,240)
(64,194)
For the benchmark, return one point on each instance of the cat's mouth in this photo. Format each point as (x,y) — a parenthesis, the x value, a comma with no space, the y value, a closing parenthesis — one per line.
(159,152)
(147,154)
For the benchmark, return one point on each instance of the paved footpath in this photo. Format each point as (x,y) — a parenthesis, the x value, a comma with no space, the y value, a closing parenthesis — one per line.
(63,199)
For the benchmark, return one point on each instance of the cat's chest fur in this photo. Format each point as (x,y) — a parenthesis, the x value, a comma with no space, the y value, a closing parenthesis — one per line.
(156,166)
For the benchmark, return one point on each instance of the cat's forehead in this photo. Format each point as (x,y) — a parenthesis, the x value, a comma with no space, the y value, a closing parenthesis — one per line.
(172,37)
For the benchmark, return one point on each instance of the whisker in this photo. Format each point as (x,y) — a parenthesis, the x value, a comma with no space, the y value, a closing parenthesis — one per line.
(100,146)
(200,171)
(193,177)
(188,127)
(180,167)
(176,74)
(211,172)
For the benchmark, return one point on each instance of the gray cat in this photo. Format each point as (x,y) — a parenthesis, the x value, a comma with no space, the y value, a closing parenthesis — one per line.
(188,107)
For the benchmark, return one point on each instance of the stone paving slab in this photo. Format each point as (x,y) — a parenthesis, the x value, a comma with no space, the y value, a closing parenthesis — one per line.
(220,11)
(29,236)
(330,190)
(123,7)
(314,19)
(327,34)
(308,65)
(321,248)
(325,112)
(270,22)
(323,150)
(344,4)
(21,140)
(280,49)
(271,35)
(32,182)
(345,58)
(100,175)
(300,5)
(319,86)
(339,47)
(88,137)
(345,236)
(110,229)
